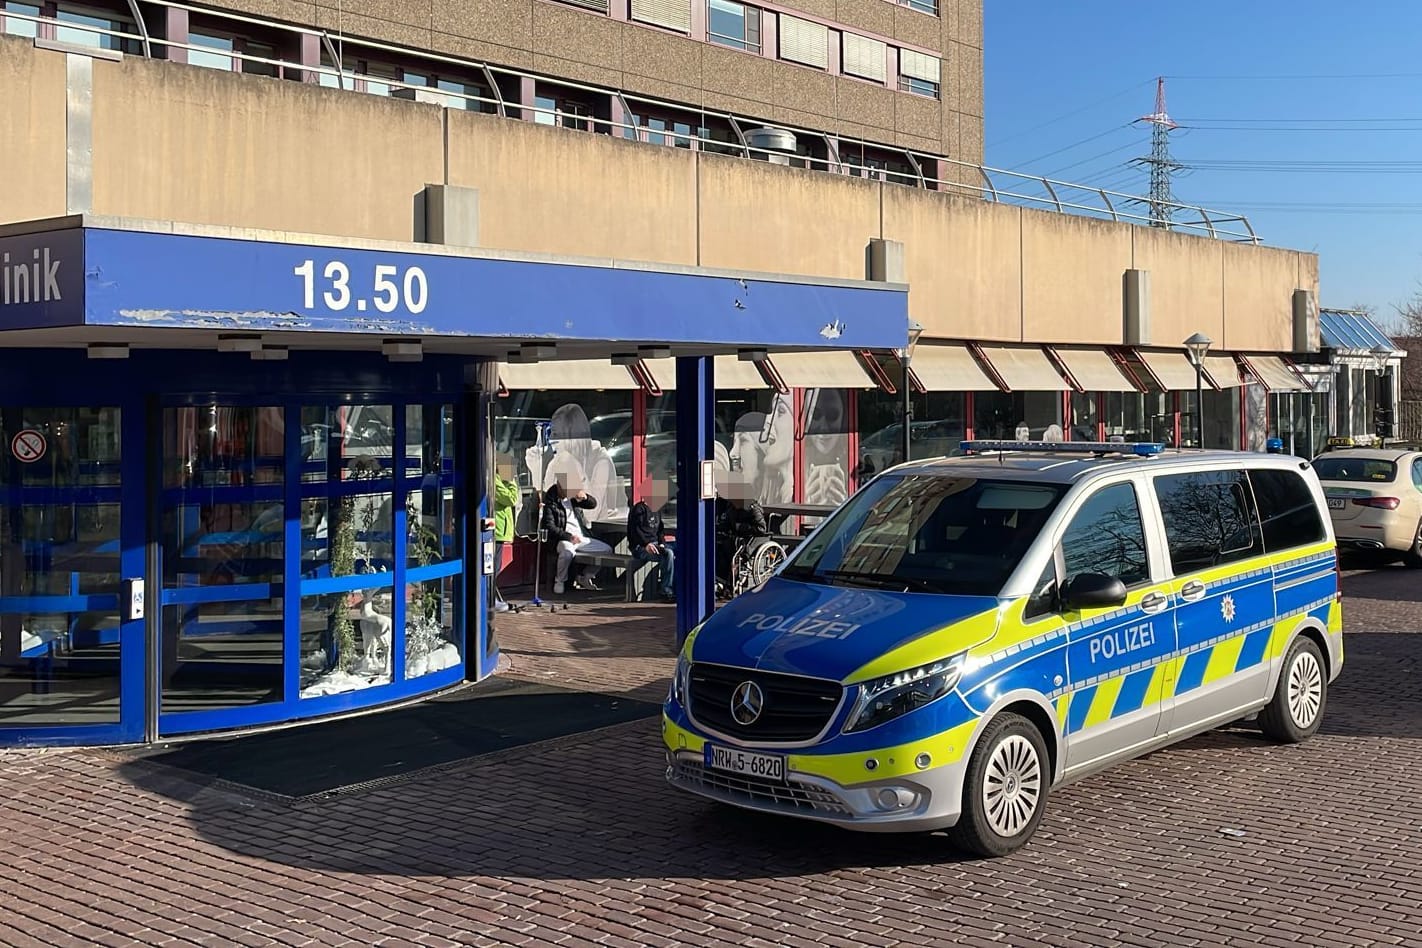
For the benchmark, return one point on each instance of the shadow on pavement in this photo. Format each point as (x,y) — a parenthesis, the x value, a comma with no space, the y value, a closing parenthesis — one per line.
(595,806)
(1380,580)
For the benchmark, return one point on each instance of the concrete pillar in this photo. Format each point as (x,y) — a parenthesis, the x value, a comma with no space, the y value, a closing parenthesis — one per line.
(1135,308)
(174,26)
(445,214)
(1305,310)
(695,513)
(310,53)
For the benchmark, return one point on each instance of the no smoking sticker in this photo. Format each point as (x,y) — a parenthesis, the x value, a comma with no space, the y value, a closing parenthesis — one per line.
(28,446)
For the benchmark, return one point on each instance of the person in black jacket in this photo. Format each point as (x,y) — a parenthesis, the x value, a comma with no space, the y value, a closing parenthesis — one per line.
(739,517)
(564,523)
(645,538)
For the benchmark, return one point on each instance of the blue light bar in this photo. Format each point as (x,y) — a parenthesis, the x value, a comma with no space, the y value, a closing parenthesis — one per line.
(1138,448)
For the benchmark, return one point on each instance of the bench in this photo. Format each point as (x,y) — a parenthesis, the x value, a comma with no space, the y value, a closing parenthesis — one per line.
(639,577)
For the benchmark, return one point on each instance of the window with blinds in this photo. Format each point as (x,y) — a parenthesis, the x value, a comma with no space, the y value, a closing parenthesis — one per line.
(599,5)
(672,14)
(919,66)
(864,57)
(804,42)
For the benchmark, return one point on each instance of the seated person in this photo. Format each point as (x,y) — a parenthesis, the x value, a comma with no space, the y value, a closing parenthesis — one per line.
(563,520)
(739,518)
(645,537)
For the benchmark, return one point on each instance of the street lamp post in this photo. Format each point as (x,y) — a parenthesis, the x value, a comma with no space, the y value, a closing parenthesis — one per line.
(905,355)
(1381,354)
(1197,345)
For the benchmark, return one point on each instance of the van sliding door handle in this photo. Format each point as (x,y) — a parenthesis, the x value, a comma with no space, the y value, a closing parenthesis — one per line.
(1154,602)
(1192,591)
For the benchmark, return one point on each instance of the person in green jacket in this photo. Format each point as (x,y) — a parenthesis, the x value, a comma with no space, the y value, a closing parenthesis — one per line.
(506,498)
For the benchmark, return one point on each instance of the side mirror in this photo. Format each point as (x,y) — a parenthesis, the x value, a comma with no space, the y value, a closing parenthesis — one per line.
(1093,591)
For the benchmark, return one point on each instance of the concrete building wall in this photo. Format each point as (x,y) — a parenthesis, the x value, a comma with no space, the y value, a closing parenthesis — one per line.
(33,136)
(174,142)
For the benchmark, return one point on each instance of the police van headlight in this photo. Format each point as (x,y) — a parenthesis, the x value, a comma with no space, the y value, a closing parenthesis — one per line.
(892,696)
(681,680)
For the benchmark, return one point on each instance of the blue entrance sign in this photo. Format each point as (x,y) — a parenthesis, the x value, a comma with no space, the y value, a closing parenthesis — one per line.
(168,280)
(41,280)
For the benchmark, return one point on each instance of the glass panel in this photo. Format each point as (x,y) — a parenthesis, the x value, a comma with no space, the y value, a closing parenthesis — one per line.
(591,435)
(59,666)
(222,544)
(430,521)
(260,51)
(429,439)
(20,27)
(1083,416)
(223,446)
(826,448)
(222,654)
(368,441)
(431,639)
(79,35)
(756,430)
(346,642)
(72,447)
(1035,416)
(210,60)
(1209,519)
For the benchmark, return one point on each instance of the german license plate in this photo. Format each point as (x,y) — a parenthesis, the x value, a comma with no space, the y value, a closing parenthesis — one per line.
(1337,503)
(767,766)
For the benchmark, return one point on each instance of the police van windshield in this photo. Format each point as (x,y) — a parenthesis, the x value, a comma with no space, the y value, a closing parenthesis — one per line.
(928,533)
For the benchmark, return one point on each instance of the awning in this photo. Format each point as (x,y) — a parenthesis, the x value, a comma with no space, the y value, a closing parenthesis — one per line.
(1095,370)
(835,369)
(580,375)
(1224,370)
(1276,374)
(731,374)
(1174,369)
(949,369)
(1026,369)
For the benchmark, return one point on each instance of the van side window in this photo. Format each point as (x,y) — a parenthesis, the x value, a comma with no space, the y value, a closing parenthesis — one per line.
(1106,536)
(1209,519)
(1286,509)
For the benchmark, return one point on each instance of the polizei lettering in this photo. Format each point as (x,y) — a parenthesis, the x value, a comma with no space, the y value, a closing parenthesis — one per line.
(819,628)
(29,281)
(1120,642)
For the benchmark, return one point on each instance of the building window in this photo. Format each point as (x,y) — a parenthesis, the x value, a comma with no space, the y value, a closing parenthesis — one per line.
(665,128)
(733,24)
(804,42)
(864,57)
(89,27)
(571,108)
(866,161)
(920,73)
(918,86)
(211,60)
(670,14)
(922,6)
(15,26)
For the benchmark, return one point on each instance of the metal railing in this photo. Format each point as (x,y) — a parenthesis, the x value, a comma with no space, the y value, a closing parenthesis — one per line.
(997,185)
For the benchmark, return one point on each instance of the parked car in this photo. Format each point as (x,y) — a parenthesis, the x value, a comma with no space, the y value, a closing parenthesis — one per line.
(966,634)
(1375,499)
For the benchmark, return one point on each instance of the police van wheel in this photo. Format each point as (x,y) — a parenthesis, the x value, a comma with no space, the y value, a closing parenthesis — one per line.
(1296,710)
(1004,790)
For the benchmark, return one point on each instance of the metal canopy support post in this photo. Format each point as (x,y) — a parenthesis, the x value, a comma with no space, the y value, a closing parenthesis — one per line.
(695,514)
(142,28)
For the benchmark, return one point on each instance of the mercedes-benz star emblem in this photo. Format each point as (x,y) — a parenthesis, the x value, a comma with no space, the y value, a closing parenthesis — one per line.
(747,701)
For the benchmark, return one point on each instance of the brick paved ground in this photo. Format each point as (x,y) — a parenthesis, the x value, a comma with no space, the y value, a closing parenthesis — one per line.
(1222,840)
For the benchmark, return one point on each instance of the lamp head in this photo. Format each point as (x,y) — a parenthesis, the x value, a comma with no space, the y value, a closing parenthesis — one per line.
(1197,345)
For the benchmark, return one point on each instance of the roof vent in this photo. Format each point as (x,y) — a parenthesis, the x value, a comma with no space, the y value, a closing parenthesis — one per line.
(777,141)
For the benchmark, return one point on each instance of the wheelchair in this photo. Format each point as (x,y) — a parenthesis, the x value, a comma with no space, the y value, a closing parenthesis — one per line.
(752,562)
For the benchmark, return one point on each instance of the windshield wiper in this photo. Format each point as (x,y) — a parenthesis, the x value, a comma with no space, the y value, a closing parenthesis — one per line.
(872,580)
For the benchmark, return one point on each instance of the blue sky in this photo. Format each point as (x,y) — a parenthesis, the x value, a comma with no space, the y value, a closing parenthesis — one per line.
(1263,82)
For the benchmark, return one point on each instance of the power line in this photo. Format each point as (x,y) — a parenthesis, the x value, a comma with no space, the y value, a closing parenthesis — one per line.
(1084,141)
(1061,118)
(1299,78)
(1105,154)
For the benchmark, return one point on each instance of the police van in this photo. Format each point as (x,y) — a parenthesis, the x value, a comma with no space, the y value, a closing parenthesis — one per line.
(966,634)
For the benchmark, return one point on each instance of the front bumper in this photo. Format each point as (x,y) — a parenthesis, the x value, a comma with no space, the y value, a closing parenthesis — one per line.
(924,800)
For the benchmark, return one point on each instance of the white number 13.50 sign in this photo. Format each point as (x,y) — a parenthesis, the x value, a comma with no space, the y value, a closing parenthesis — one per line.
(392,289)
